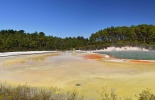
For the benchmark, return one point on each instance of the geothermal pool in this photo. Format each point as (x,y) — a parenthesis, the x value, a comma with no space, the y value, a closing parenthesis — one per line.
(92,71)
(138,55)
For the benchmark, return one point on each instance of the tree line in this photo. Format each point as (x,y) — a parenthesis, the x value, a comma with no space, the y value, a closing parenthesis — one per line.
(141,35)
(12,40)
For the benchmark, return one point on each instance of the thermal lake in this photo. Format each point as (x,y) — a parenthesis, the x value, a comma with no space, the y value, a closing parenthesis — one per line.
(92,71)
(138,55)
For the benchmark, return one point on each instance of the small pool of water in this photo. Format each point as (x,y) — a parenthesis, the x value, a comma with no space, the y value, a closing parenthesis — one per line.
(138,55)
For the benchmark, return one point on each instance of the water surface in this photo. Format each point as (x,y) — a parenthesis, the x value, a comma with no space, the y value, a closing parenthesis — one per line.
(138,55)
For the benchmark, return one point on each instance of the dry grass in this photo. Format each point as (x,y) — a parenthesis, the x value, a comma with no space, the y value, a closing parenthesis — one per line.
(24,92)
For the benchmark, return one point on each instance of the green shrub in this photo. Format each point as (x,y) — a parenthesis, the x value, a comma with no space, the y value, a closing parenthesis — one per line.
(105,94)
(24,92)
(146,95)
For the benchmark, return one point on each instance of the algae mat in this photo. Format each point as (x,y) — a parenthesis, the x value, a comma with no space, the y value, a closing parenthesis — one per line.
(91,71)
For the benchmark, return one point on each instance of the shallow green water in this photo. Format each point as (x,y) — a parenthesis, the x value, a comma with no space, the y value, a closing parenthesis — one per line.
(138,55)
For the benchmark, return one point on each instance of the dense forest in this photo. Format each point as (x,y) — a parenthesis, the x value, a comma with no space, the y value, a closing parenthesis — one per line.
(141,35)
(12,40)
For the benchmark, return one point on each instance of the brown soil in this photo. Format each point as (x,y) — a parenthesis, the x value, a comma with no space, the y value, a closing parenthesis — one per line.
(93,56)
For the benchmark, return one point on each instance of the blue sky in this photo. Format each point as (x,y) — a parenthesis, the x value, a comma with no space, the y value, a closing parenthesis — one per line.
(64,18)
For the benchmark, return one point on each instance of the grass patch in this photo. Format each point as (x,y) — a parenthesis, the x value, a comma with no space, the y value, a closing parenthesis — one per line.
(106,94)
(24,92)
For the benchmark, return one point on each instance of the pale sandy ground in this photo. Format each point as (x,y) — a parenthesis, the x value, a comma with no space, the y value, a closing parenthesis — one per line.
(64,70)
(5,54)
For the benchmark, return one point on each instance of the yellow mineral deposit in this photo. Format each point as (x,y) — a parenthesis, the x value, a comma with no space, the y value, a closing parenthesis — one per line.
(87,72)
